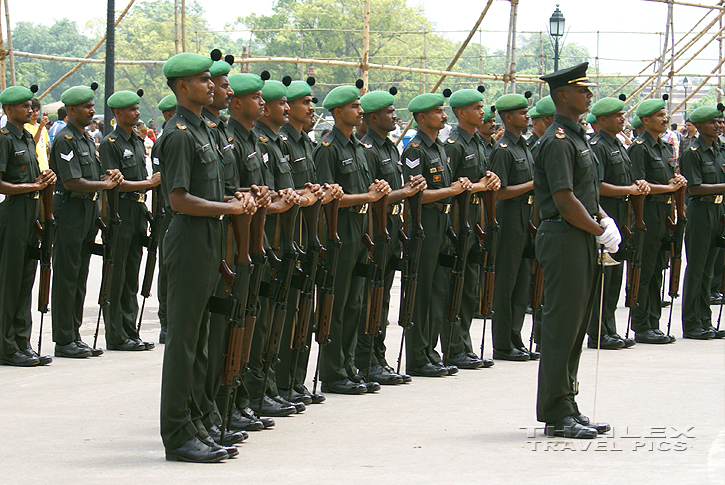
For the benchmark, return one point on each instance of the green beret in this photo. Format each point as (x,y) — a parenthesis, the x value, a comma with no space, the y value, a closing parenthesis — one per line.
(15,95)
(489,113)
(591,118)
(465,97)
(273,90)
(186,64)
(607,106)
(650,107)
(245,83)
(636,122)
(704,113)
(376,100)
(123,99)
(509,102)
(297,90)
(341,96)
(77,95)
(425,102)
(546,107)
(534,114)
(169,102)
(219,68)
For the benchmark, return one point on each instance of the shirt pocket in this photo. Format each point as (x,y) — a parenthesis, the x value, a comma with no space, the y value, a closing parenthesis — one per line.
(658,169)
(709,173)
(386,167)
(206,156)
(348,176)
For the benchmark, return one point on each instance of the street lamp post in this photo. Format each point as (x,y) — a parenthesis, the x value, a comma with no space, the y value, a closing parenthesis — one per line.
(684,83)
(556,30)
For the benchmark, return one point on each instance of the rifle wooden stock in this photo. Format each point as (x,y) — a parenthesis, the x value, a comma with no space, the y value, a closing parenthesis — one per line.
(411,258)
(157,220)
(326,295)
(46,245)
(312,258)
(677,239)
(490,243)
(380,255)
(109,244)
(634,264)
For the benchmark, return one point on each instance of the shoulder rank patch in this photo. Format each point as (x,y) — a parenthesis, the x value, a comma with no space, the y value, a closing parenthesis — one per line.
(111,139)
(502,145)
(211,124)
(366,145)
(180,126)
(412,163)
(230,139)
(451,140)
(284,138)
(639,142)
(414,145)
(693,148)
(593,142)
(325,143)
(4,131)
(68,137)
(263,139)
(560,133)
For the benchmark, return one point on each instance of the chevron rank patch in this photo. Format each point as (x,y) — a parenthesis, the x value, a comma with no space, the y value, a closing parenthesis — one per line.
(412,163)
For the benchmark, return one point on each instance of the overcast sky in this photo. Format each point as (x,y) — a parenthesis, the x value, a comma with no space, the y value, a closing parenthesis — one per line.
(625,51)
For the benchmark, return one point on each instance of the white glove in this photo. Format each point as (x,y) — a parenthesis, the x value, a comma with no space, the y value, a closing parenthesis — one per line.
(610,238)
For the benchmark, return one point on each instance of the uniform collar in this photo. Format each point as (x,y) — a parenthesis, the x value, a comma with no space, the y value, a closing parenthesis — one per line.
(426,139)
(291,132)
(705,146)
(266,130)
(377,139)
(246,134)
(462,133)
(120,133)
(609,138)
(515,140)
(11,128)
(189,116)
(343,139)
(208,115)
(575,127)
(81,133)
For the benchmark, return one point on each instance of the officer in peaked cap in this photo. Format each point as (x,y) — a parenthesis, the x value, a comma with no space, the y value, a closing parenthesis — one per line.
(566,184)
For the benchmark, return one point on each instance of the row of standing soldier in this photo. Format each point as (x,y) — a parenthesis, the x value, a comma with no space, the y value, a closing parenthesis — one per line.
(263,310)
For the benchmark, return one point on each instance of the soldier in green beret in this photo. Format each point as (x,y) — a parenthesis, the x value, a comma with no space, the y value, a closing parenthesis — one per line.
(617,186)
(566,184)
(383,161)
(340,158)
(487,130)
(653,160)
(74,159)
(538,127)
(702,165)
(298,147)
(193,178)
(123,150)
(592,121)
(546,109)
(167,106)
(464,148)
(512,161)
(638,126)
(425,155)
(20,181)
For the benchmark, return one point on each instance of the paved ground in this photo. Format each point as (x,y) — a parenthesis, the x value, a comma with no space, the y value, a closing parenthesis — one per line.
(98,420)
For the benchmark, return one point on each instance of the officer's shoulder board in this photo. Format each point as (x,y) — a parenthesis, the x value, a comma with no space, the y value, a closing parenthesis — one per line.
(69,137)
(230,139)
(180,126)
(560,134)
(325,143)
(263,139)
(414,145)
(451,141)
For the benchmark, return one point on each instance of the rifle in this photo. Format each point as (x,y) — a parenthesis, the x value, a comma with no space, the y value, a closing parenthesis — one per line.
(457,262)
(634,263)
(375,272)
(306,286)
(156,219)
(110,234)
(326,283)
(721,244)
(234,307)
(537,279)
(489,242)
(678,233)
(278,292)
(409,273)
(47,234)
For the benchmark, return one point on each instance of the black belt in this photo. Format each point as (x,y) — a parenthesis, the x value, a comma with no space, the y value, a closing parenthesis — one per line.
(617,197)
(357,209)
(662,199)
(220,217)
(29,195)
(395,209)
(525,198)
(133,196)
(713,199)
(78,195)
(554,219)
(439,206)
(476,199)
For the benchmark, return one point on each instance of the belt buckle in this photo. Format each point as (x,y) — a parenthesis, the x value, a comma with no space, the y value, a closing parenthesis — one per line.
(363,209)
(36,195)
(718,199)
(669,199)
(95,196)
(221,217)
(530,200)
(475,199)
(626,198)
(396,209)
(141,198)
(446,208)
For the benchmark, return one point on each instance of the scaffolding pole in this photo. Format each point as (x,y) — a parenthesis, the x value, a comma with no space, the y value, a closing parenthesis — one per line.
(176,26)
(512,68)
(3,54)
(699,86)
(365,47)
(661,60)
(10,45)
(84,60)
(183,25)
